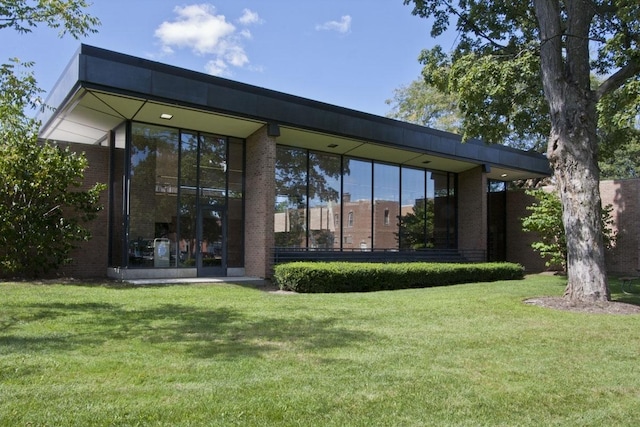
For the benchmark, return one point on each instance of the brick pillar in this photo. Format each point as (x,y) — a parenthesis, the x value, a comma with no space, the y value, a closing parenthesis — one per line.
(472,210)
(519,242)
(260,196)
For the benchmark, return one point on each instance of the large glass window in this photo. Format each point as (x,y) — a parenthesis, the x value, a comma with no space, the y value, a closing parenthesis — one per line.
(416,221)
(291,198)
(356,200)
(188,207)
(496,218)
(369,205)
(324,201)
(178,178)
(386,191)
(235,217)
(444,205)
(153,197)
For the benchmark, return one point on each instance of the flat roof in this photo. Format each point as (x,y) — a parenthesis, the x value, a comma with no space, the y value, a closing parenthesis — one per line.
(100,89)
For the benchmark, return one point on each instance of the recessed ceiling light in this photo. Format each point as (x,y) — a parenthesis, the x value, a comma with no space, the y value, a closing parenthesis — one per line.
(426,162)
(504,175)
(166,116)
(332,145)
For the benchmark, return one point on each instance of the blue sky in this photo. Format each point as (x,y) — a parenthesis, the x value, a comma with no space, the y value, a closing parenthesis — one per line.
(351,53)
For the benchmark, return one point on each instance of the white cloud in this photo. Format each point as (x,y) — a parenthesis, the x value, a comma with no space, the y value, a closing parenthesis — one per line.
(201,29)
(249,17)
(343,26)
(216,67)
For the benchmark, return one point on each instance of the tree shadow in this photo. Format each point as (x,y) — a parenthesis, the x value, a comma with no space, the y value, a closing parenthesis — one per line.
(200,333)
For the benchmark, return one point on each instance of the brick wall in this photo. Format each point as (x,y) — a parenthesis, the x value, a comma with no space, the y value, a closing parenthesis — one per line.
(518,242)
(472,210)
(624,258)
(624,195)
(259,203)
(89,259)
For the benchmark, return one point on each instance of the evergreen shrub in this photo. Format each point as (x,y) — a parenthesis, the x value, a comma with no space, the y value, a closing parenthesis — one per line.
(331,277)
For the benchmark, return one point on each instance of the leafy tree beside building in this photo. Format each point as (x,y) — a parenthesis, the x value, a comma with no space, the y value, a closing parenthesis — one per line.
(524,69)
(42,203)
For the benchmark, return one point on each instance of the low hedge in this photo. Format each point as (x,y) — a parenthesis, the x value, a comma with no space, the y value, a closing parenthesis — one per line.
(329,277)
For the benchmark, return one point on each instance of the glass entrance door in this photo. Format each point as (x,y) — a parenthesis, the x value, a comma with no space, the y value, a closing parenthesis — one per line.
(211,255)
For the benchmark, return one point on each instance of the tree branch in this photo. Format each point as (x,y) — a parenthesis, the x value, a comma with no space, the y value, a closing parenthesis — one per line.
(618,78)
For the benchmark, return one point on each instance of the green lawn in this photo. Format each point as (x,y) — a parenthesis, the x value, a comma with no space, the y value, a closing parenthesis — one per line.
(192,355)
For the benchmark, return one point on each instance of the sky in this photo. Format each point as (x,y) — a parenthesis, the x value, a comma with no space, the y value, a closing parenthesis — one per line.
(350,53)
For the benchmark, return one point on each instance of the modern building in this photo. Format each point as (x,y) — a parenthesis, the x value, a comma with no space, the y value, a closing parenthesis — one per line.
(211,177)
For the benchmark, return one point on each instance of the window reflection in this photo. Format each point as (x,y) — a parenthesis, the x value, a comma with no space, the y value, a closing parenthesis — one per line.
(357,233)
(324,201)
(291,198)
(377,206)
(387,204)
(153,191)
(173,174)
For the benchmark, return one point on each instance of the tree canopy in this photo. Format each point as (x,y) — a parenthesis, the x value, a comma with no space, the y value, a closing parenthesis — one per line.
(68,16)
(42,203)
(425,105)
(524,69)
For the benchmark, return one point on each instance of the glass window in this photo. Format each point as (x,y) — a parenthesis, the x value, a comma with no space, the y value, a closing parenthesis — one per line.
(213,170)
(324,200)
(357,196)
(290,222)
(384,206)
(386,190)
(153,202)
(444,233)
(188,208)
(235,217)
(415,223)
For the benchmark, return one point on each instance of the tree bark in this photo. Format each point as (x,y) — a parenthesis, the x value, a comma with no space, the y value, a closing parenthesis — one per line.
(572,152)
(573,145)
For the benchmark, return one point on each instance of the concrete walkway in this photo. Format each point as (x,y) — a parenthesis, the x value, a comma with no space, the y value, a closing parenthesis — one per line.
(192,280)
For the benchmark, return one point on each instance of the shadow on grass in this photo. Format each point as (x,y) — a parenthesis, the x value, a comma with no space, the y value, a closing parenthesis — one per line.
(200,333)
(619,296)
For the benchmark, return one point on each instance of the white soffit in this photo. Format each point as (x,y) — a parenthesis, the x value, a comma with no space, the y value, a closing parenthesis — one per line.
(350,147)
(198,120)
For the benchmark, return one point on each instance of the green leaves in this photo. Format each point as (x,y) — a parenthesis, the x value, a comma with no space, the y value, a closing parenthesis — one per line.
(66,15)
(545,219)
(42,203)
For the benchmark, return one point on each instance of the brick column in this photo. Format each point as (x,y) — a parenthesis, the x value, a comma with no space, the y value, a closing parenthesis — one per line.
(259,203)
(472,210)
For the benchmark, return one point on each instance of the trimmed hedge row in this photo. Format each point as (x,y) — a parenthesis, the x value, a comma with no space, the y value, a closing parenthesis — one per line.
(329,277)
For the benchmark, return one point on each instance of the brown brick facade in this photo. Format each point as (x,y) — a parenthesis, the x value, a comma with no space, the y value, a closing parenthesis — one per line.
(260,194)
(518,242)
(472,210)
(624,196)
(624,258)
(89,259)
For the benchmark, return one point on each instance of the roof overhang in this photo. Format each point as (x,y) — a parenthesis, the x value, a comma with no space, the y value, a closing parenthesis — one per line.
(101,89)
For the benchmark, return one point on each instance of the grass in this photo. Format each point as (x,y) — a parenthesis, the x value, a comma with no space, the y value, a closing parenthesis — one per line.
(467,355)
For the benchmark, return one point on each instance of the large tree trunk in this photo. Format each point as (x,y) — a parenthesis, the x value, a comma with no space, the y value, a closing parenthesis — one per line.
(573,145)
(573,154)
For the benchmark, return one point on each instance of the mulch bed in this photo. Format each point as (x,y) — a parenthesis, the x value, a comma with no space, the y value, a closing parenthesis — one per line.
(610,307)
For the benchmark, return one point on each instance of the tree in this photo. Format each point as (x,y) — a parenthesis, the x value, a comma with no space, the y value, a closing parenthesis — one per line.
(524,68)
(545,219)
(416,226)
(425,105)
(41,204)
(66,15)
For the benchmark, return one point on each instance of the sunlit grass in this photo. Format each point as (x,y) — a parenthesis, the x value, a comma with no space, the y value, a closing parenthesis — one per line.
(231,355)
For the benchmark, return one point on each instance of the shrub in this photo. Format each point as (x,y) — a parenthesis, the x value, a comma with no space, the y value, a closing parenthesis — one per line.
(327,277)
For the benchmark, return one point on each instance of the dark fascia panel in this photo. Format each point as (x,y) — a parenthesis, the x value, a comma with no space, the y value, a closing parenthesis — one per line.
(130,75)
